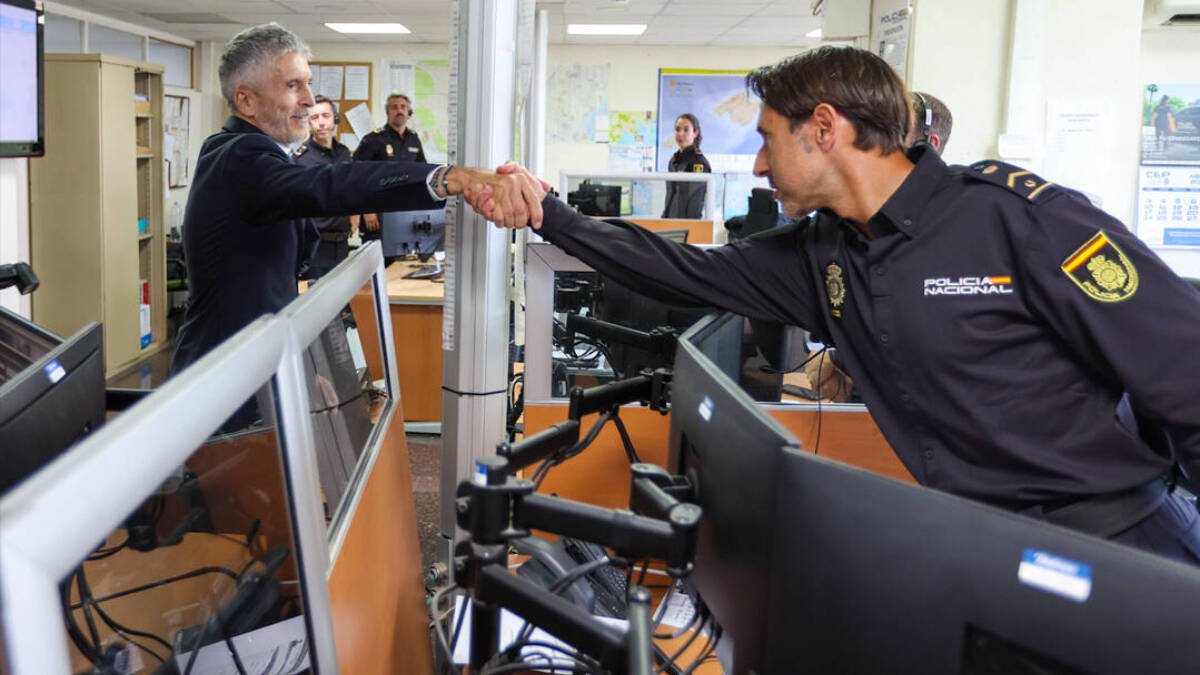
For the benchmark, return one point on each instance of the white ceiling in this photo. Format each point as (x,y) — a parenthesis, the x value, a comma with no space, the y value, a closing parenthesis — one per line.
(669,22)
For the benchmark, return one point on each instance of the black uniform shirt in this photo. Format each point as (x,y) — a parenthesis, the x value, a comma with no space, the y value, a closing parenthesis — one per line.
(385,144)
(686,200)
(314,154)
(991,329)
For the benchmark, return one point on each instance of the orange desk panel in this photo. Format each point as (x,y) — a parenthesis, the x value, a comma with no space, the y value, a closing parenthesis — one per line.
(376,590)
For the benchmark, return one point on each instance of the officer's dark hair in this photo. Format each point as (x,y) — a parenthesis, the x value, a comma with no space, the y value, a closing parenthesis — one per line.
(858,84)
(322,98)
(253,49)
(695,125)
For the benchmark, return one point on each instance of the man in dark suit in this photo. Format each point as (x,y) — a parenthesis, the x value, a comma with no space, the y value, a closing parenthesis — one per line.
(247,232)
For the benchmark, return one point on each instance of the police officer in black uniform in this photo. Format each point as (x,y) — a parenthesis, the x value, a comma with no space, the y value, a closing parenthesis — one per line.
(323,148)
(991,320)
(686,200)
(393,142)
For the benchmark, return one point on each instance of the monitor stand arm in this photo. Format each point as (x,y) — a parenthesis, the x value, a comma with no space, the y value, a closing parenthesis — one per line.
(652,388)
(659,342)
(495,508)
(20,275)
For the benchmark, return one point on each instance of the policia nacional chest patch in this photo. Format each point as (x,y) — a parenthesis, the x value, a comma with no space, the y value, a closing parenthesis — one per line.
(1102,270)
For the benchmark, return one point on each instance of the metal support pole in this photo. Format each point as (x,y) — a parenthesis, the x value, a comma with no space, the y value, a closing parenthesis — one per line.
(475,332)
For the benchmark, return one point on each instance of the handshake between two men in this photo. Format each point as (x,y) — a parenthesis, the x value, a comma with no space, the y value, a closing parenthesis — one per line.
(511,197)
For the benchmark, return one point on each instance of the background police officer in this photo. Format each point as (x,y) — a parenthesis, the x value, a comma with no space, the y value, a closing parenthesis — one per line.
(323,148)
(393,141)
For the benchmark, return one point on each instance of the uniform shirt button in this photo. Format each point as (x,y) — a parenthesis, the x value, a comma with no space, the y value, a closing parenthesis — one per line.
(905,397)
(883,337)
(908,221)
(880,271)
(929,455)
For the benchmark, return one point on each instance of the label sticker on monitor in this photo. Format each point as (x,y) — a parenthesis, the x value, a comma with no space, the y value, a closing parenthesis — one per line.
(54,371)
(481,474)
(1063,577)
(705,408)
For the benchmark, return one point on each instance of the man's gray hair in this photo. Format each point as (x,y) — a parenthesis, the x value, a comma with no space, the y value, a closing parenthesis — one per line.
(252,50)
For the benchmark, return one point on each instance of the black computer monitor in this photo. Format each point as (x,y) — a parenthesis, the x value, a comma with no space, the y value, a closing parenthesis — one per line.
(870,575)
(22,113)
(730,450)
(413,232)
(593,199)
(51,393)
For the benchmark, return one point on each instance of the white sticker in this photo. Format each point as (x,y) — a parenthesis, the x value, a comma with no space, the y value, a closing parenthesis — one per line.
(481,472)
(705,408)
(1063,577)
(54,371)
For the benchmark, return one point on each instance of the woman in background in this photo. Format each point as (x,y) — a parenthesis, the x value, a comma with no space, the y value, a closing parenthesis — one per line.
(686,200)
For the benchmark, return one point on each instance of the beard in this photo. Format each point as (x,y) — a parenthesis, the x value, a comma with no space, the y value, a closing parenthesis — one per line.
(284,126)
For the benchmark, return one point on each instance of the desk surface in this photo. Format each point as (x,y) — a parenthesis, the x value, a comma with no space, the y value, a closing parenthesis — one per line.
(412,291)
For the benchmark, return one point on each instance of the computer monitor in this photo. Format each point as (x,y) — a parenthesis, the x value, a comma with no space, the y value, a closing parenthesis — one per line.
(413,232)
(593,199)
(618,304)
(678,235)
(22,114)
(870,575)
(730,450)
(51,393)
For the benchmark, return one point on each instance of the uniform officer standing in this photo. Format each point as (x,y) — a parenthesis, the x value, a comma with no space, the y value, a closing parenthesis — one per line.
(991,320)
(686,200)
(247,232)
(324,148)
(393,141)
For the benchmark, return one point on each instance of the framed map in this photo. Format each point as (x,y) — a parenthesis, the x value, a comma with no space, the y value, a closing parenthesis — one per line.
(728,116)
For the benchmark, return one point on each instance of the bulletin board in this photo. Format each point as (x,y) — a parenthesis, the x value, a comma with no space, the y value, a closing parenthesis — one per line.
(346,82)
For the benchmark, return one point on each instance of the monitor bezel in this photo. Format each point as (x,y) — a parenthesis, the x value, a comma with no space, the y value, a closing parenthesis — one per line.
(35,147)
(53,520)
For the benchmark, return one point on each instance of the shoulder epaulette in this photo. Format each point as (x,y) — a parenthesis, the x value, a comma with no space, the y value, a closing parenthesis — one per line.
(300,150)
(1026,184)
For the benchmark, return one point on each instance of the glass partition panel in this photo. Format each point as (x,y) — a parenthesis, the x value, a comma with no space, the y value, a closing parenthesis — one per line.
(202,576)
(347,392)
(348,371)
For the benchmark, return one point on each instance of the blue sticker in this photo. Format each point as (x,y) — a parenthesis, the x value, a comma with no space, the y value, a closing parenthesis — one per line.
(1055,574)
(54,371)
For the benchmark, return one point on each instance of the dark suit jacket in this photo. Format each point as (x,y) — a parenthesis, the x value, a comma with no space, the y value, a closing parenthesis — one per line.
(247,233)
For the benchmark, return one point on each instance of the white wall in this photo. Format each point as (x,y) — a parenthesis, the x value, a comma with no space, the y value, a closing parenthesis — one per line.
(1171,56)
(1089,52)
(14,225)
(961,57)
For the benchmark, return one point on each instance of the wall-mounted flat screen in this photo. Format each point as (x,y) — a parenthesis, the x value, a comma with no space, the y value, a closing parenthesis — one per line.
(22,122)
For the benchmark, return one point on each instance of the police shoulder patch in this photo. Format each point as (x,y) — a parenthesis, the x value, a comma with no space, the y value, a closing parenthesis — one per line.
(697,168)
(1013,178)
(1101,270)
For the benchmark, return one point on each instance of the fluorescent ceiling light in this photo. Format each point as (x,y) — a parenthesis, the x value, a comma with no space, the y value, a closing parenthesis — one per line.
(606,28)
(813,33)
(371,28)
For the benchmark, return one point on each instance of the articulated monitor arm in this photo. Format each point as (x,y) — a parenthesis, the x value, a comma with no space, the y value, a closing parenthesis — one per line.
(494,508)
